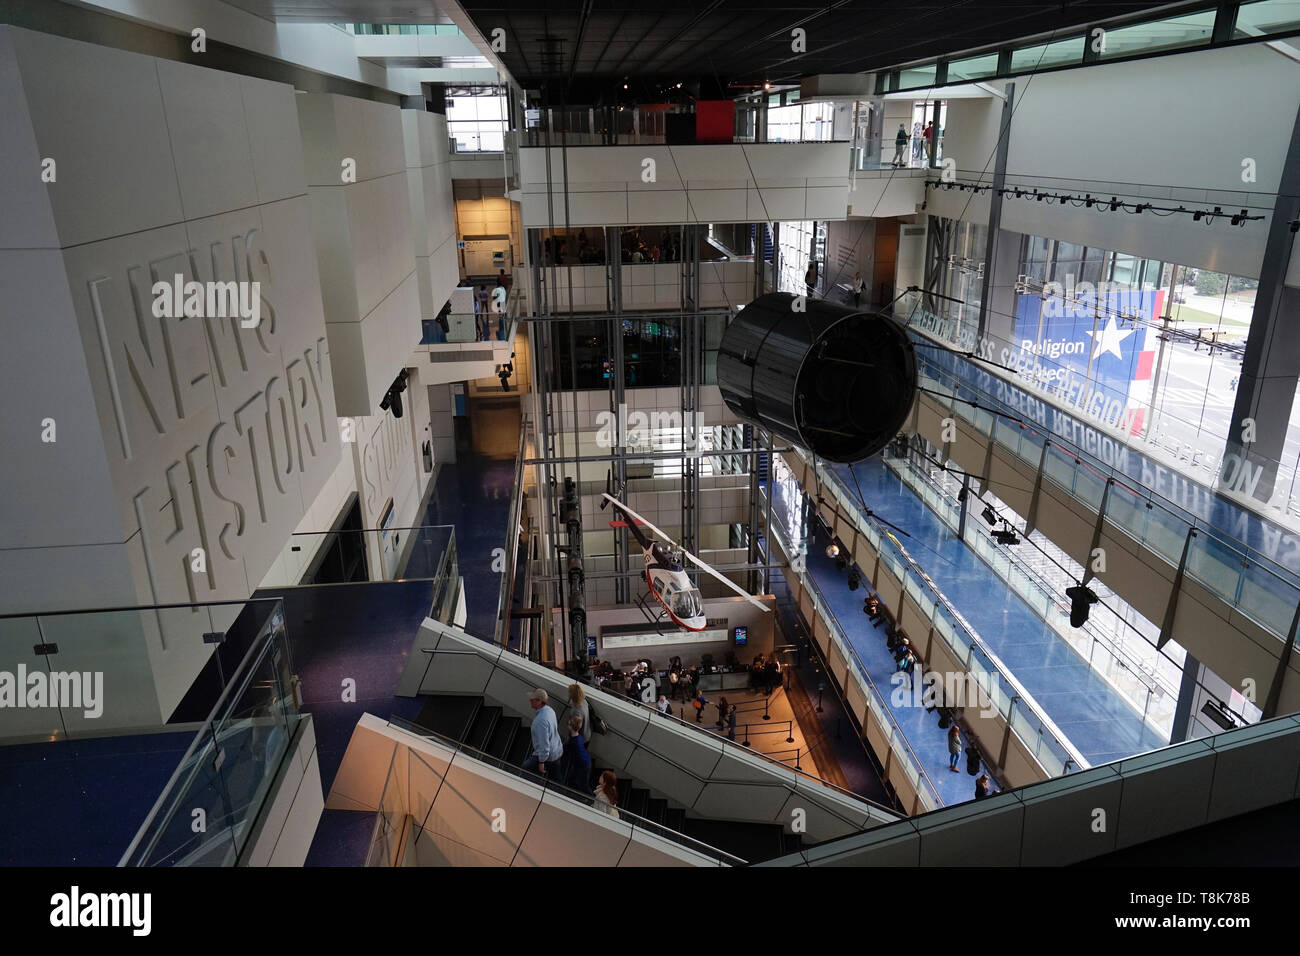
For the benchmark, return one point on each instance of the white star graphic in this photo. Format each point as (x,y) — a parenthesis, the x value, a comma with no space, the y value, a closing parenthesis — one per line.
(1108,339)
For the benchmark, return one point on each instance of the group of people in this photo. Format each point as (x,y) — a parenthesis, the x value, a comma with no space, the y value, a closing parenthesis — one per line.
(490,309)
(567,761)
(921,139)
(638,250)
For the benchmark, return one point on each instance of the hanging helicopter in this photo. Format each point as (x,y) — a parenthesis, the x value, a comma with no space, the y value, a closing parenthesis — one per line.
(665,572)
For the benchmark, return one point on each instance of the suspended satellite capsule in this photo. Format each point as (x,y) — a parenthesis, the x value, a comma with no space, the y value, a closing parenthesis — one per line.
(836,381)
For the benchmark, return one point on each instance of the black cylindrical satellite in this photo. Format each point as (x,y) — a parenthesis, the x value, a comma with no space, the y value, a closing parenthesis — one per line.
(836,381)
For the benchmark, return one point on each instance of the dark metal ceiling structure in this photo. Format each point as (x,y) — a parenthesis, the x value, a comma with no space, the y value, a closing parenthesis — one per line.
(729,44)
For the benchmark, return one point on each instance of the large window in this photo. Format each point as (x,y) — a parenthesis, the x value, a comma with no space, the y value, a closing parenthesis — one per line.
(973,68)
(1061,53)
(1267,16)
(1176,32)
(477,121)
(800,123)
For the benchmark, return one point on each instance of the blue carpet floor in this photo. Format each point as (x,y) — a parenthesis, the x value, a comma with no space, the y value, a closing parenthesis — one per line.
(79,802)
(1096,719)
(366,632)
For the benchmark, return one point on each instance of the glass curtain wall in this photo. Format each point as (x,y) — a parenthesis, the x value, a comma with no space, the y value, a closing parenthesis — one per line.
(1152,349)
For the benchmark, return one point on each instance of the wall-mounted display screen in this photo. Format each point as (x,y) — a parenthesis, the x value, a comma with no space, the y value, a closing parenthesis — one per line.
(742,636)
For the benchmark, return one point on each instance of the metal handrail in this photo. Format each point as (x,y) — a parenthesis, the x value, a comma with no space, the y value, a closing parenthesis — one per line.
(548,783)
(824,605)
(695,729)
(1105,472)
(505,594)
(240,679)
(830,480)
(1045,589)
(778,534)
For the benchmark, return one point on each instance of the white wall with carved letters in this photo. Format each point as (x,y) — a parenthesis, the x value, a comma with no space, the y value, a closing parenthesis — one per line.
(172,434)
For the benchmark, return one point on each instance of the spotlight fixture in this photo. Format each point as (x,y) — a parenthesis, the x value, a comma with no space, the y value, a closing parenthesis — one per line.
(832,550)
(841,564)
(767,86)
(989,515)
(1081,599)
(1006,535)
(1196,216)
(855,579)
(1114,203)
(962,495)
(1240,217)
(1218,712)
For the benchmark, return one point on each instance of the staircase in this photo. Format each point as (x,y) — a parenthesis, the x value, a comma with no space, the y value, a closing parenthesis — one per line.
(474,723)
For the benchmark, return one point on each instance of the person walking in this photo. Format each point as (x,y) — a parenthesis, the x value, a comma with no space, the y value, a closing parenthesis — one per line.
(927,135)
(699,703)
(857,289)
(578,702)
(723,707)
(577,761)
(547,749)
(954,748)
(900,144)
(731,723)
(607,793)
(916,141)
(481,314)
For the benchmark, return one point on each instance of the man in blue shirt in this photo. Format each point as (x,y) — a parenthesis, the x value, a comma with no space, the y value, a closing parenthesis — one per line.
(547,748)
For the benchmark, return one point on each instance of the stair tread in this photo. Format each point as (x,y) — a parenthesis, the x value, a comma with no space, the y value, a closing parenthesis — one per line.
(448,714)
(503,736)
(656,809)
(480,731)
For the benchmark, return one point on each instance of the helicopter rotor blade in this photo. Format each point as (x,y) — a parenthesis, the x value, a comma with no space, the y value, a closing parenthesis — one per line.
(628,511)
(703,566)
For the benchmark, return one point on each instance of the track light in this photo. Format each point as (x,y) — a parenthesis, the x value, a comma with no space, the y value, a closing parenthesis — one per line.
(855,579)
(989,515)
(832,550)
(1081,599)
(962,495)
(1006,535)
(1218,712)
(1114,203)
(1240,217)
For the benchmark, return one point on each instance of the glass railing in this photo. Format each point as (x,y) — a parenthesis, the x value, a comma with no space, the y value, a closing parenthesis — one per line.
(422,552)
(393,802)
(1153,699)
(1051,748)
(402,29)
(899,745)
(207,813)
(514,530)
(464,327)
(1242,576)
(787,778)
